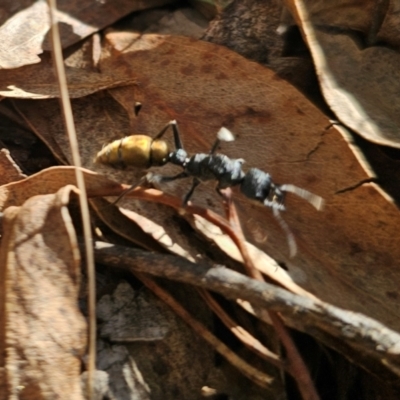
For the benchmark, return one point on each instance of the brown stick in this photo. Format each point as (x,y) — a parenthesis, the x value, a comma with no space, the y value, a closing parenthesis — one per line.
(358,333)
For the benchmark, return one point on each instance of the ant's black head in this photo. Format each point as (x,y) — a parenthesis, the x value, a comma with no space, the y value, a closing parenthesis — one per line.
(276,198)
(178,157)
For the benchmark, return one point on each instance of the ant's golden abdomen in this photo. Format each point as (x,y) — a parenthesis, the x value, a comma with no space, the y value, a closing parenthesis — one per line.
(135,151)
(139,151)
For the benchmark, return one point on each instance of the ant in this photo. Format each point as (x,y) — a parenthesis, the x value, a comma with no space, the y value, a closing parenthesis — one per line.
(144,151)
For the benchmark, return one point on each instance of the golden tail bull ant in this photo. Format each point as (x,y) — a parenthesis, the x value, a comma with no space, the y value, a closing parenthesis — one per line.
(144,151)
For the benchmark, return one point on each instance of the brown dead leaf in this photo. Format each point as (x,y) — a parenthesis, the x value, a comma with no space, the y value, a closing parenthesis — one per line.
(378,21)
(160,234)
(347,255)
(136,228)
(205,87)
(9,171)
(39,82)
(50,181)
(25,25)
(24,30)
(44,332)
(360,85)
(354,15)
(389,31)
(185,21)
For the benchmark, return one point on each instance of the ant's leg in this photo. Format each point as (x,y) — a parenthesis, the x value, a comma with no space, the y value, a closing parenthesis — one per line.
(226,194)
(218,190)
(150,178)
(162,179)
(290,237)
(177,137)
(189,194)
(134,186)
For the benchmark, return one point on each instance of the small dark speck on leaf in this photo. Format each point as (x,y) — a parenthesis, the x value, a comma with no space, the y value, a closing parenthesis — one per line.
(188,70)
(299,111)
(207,56)
(392,295)
(206,69)
(164,63)
(221,75)
(355,248)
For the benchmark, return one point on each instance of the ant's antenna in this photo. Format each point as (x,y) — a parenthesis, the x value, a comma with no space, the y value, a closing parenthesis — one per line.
(285,227)
(223,135)
(313,199)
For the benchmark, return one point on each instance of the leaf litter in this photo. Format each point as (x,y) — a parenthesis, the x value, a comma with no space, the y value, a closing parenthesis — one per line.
(347,255)
(304,150)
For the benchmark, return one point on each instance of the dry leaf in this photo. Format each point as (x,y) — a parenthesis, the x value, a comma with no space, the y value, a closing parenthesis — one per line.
(250,28)
(184,20)
(205,87)
(361,85)
(389,31)
(158,233)
(378,21)
(51,180)
(40,269)
(23,33)
(39,82)
(136,228)
(354,15)
(25,25)
(9,171)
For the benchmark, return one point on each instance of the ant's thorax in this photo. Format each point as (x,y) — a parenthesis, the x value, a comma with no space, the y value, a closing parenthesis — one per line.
(178,157)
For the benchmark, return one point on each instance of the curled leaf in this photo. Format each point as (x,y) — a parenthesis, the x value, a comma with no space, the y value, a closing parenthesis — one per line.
(40,271)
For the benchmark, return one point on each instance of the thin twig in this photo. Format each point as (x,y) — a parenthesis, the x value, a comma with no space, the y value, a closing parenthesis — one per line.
(244,336)
(70,127)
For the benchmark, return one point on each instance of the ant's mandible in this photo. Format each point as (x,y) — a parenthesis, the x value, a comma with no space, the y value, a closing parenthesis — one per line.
(143,152)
